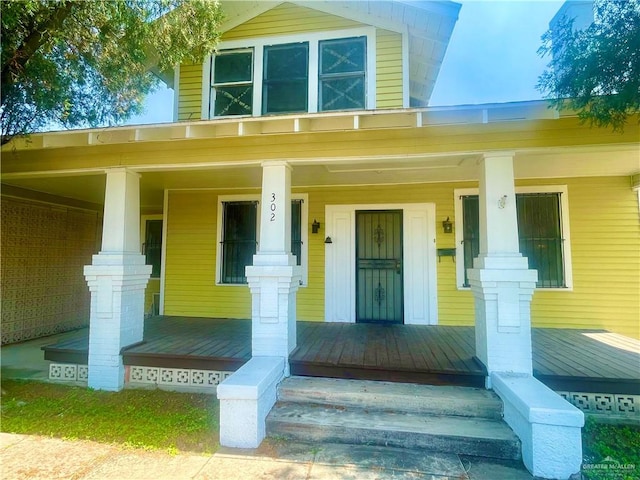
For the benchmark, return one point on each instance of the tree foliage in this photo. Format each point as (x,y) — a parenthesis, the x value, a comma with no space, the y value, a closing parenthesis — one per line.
(596,71)
(88,63)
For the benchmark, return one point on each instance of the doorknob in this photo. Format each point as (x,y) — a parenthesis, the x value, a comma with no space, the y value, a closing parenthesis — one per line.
(398,266)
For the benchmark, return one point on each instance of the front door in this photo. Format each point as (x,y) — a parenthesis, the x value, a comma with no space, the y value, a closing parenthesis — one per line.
(379,296)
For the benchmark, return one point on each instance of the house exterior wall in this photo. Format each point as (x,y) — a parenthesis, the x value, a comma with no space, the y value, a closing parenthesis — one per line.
(288,19)
(44,248)
(190,92)
(606,291)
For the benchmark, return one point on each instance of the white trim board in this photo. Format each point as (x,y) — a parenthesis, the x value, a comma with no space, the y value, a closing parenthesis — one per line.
(419,251)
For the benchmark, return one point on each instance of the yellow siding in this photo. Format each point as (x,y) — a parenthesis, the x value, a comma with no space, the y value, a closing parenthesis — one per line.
(388,69)
(191,261)
(605,238)
(288,19)
(605,242)
(190,92)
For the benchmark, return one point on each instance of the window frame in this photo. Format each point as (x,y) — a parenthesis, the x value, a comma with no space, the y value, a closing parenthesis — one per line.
(266,82)
(213,84)
(564,226)
(342,75)
(313,38)
(304,232)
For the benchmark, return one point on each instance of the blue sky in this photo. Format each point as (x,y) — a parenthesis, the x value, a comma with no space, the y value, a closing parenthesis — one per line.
(492,57)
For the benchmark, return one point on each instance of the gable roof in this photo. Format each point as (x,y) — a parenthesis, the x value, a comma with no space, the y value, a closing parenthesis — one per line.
(428,24)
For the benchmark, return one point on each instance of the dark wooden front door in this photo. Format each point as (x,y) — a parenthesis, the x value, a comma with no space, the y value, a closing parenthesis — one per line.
(379,295)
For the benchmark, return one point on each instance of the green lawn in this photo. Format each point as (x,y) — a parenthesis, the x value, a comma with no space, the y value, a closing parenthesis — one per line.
(610,451)
(152,419)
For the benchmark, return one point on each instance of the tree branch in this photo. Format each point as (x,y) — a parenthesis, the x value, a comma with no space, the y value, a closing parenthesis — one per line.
(37,37)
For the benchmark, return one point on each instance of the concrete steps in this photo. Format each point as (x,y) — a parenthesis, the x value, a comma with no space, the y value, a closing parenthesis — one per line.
(443,419)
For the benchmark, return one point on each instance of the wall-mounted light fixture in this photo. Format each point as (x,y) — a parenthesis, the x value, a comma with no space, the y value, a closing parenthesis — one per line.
(328,240)
(315,226)
(447,226)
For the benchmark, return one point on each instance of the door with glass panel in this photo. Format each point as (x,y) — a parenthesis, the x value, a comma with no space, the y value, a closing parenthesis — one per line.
(379,266)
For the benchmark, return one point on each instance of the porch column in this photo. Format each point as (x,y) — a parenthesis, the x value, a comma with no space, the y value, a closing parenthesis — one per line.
(501,281)
(247,396)
(117,280)
(274,277)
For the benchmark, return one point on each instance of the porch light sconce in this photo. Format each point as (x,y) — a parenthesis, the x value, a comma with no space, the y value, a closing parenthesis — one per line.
(328,240)
(447,226)
(315,226)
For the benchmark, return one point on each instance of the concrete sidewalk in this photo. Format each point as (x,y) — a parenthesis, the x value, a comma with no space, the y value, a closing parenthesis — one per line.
(35,457)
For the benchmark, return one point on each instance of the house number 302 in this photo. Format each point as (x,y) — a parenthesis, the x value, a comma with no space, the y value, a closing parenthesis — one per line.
(272,207)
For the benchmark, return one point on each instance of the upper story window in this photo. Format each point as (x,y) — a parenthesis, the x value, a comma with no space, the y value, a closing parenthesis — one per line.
(342,74)
(285,83)
(324,71)
(232,82)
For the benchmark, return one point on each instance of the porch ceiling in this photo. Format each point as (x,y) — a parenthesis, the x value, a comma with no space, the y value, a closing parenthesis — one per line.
(310,173)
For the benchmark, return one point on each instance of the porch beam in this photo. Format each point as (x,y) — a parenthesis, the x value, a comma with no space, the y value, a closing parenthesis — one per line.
(117,279)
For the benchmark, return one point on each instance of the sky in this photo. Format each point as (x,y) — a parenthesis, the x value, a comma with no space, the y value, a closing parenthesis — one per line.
(492,57)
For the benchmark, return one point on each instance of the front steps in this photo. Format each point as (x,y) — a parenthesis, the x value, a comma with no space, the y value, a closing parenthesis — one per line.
(457,420)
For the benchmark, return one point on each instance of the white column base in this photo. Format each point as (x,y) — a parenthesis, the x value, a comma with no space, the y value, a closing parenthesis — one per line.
(117,283)
(502,287)
(273,306)
(246,398)
(548,426)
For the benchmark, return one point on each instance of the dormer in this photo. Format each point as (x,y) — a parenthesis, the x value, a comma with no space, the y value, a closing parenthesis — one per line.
(323,56)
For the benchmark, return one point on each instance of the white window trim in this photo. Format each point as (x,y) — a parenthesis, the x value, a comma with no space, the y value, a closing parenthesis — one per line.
(206,88)
(176,93)
(564,219)
(304,234)
(313,39)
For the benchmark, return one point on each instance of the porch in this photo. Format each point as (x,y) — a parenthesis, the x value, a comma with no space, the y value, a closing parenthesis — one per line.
(566,360)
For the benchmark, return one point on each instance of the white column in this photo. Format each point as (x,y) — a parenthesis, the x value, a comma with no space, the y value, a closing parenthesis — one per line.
(247,396)
(274,277)
(501,281)
(117,279)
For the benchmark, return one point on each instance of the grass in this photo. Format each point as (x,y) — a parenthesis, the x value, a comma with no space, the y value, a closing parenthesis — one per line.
(150,419)
(610,451)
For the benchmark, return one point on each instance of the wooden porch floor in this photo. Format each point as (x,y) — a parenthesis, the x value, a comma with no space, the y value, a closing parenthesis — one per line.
(564,359)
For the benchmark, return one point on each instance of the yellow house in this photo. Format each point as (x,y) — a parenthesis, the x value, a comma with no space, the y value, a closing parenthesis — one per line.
(305,178)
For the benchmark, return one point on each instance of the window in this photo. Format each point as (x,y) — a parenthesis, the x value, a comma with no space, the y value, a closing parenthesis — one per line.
(239,237)
(238,240)
(286,78)
(153,246)
(233,83)
(296,230)
(293,73)
(342,74)
(542,234)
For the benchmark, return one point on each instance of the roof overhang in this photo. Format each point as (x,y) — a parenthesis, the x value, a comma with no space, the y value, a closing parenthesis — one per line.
(340,149)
